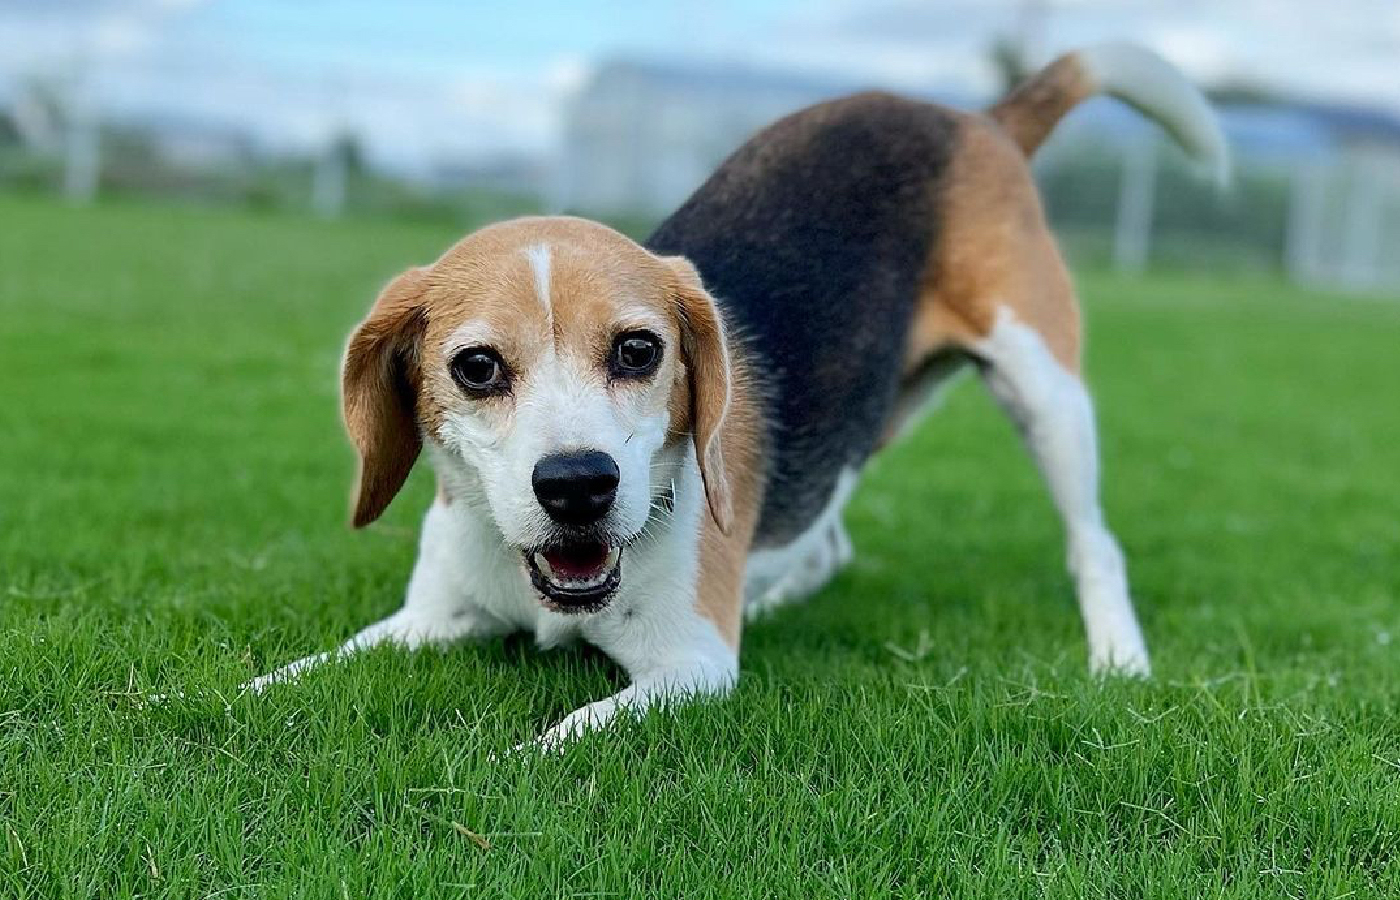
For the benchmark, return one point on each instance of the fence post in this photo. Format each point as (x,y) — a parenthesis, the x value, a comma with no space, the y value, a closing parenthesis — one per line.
(1306,207)
(328,182)
(1132,233)
(81,146)
(1362,231)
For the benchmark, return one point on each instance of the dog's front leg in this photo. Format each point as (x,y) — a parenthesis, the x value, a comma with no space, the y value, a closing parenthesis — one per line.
(439,608)
(677,635)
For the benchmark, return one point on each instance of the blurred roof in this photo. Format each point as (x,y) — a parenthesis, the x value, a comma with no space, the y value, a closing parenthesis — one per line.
(1284,128)
(700,77)
(739,80)
(1354,121)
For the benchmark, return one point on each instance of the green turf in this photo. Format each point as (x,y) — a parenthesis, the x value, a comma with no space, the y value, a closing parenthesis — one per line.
(173,485)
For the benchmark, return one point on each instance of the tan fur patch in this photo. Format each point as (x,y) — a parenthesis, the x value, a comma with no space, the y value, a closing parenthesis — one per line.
(723,556)
(995,250)
(712,404)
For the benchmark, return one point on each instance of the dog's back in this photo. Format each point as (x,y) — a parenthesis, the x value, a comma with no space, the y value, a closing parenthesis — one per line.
(813,238)
(858,245)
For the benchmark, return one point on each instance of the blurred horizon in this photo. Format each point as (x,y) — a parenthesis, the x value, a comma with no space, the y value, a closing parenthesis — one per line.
(469,112)
(423,81)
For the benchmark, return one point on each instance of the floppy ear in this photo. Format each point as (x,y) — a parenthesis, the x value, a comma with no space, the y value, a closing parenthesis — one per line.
(707,367)
(379,388)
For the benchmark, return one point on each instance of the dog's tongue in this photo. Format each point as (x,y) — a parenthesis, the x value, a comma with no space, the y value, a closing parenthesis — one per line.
(578,562)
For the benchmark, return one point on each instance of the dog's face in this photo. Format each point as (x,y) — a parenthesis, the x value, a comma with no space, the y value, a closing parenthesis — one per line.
(566,372)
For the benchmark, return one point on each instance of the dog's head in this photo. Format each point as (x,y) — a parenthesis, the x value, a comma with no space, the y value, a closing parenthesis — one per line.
(564,372)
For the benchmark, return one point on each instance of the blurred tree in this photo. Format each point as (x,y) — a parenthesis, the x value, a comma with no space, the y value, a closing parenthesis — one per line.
(342,159)
(39,113)
(1008,57)
(1018,54)
(350,151)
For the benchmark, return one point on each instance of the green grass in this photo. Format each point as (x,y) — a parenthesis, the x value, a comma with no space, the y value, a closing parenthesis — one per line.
(173,485)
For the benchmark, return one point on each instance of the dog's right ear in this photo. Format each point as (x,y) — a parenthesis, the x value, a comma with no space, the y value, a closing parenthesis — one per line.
(379,390)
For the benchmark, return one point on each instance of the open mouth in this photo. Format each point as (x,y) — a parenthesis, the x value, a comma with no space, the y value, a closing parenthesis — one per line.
(576,576)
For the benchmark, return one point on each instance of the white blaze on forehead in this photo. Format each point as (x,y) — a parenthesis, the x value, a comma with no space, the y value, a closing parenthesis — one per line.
(539,264)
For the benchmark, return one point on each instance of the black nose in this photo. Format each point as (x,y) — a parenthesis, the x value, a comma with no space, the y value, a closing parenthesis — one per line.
(576,488)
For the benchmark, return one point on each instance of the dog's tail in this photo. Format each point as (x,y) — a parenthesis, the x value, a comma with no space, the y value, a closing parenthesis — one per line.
(1134,75)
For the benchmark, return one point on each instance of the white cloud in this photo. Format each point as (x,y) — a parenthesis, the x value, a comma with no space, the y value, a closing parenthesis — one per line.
(1342,48)
(119,35)
(567,74)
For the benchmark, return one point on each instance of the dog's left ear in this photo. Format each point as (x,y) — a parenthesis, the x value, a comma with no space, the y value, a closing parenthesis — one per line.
(379,391)
(707,364)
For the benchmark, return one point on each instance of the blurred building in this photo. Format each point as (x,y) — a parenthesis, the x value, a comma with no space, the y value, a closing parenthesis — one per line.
(506,173)
(1345,215)
(1316,190)
(641,136)
(191,143)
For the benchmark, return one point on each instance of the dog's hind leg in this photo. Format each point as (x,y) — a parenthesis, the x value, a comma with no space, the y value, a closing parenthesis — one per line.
(777,576)
(1055,415)
(922,388)
(798,570)
(437,611)
(997,289)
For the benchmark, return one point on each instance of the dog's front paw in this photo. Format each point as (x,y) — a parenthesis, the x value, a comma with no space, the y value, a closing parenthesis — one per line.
(592,717)
(1123,658)
(672,685)
(286,674)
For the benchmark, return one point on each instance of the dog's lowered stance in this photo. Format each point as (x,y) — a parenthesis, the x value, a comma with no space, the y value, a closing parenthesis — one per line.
(636,443)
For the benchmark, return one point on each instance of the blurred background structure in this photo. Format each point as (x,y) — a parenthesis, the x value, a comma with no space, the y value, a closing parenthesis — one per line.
(464,112)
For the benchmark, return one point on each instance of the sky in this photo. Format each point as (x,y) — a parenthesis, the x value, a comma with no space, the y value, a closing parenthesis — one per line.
(427,80)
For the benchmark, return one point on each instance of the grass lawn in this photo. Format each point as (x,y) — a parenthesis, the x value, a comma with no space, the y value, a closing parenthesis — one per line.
(173,487)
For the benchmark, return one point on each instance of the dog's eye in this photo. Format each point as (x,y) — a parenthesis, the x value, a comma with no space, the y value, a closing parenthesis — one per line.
(635,354)
(478,370)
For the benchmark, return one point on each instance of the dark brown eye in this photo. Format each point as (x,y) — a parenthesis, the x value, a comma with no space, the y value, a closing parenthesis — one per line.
(636,354)
(478,370)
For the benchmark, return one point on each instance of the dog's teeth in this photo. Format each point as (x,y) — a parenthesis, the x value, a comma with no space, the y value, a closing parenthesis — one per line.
(604,573)
(543,565)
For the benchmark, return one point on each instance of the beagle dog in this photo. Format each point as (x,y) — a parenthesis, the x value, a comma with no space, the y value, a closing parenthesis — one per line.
(635,444)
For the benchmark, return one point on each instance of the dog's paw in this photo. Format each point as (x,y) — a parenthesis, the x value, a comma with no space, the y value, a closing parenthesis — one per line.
(285,675)
(581,721)
(1121,661)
